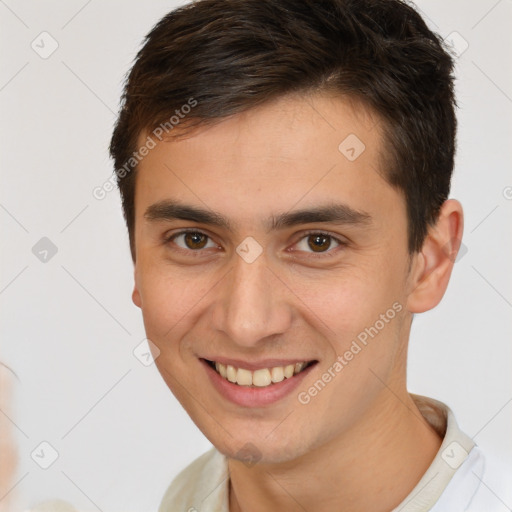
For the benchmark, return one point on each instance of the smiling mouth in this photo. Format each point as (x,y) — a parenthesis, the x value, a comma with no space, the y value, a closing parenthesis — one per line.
(262,377)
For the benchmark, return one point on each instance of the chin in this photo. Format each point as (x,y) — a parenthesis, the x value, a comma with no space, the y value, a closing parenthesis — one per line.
(254,449)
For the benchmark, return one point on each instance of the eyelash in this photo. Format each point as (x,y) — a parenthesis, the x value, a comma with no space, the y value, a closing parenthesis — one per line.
(197,253)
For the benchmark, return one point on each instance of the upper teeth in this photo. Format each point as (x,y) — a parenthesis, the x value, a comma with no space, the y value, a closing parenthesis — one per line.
(262,377)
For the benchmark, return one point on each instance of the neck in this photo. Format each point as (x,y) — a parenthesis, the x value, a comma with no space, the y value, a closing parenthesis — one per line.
(374,466)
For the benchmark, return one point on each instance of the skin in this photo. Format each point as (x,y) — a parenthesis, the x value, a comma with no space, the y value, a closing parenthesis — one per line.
(8,448)
(361,441)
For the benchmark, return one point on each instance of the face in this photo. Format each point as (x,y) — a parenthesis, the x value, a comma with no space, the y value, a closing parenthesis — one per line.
(266,240)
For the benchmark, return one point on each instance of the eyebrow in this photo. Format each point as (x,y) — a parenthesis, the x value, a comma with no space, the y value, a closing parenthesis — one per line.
(335,213)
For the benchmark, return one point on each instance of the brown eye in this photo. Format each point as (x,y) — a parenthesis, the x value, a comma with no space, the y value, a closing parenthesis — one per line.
(319,243)
(195,240)
(191,240)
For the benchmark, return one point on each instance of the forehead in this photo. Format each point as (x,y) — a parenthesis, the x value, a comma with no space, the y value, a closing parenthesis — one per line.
(297,149)
(288,128)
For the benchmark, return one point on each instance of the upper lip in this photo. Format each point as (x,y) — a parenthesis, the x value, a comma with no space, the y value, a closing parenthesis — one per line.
(256,365)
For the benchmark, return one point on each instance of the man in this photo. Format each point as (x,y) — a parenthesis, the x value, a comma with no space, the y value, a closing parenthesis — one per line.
(284,167)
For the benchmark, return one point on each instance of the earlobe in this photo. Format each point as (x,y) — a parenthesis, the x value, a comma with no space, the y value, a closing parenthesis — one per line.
(136,299)
(434,264)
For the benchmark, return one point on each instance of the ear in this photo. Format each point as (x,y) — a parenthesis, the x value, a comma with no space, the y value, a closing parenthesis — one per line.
(136,298)
(432,266)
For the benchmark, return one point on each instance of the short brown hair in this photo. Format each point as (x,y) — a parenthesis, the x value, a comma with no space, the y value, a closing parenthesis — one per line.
(228,56)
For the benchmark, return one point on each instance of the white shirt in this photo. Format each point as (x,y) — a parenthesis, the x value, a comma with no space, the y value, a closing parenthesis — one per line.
(458,480)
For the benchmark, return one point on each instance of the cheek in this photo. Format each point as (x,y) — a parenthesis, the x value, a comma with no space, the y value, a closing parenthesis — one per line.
(172,303)
(343,305)
(165,300)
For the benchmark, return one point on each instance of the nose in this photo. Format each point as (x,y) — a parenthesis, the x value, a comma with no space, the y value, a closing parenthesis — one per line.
(251,304)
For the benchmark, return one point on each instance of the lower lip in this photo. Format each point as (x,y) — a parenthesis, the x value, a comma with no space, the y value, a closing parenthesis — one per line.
(249,396)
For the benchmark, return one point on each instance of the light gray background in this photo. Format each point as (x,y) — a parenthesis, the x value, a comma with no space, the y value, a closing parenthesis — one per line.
(69,327)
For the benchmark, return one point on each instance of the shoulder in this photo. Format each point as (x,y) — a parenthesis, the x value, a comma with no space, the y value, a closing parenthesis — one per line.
(494,491)
(483,483)
(202,485)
